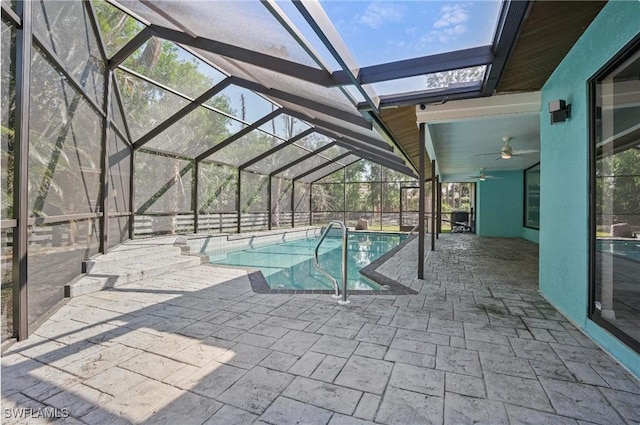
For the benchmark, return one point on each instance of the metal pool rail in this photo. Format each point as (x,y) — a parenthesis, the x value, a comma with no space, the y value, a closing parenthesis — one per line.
(344,300)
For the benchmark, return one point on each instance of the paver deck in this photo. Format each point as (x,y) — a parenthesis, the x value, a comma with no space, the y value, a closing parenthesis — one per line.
(476,345)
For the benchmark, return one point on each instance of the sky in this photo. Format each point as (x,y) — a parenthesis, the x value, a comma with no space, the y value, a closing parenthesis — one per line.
(386,31)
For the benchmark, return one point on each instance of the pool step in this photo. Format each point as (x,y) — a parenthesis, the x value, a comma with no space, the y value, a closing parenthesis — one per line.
(129,263)
(130,255)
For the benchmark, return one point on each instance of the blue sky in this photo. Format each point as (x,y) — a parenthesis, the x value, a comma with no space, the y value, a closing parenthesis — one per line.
(385,31)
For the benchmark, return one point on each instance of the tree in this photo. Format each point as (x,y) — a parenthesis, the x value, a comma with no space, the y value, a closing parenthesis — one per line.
(464,76)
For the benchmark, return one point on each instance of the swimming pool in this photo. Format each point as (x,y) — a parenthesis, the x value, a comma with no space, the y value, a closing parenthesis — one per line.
(622,248)
(289,265)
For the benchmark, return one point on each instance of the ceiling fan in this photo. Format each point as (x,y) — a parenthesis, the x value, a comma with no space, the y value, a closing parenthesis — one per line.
(483,176)
(507,152)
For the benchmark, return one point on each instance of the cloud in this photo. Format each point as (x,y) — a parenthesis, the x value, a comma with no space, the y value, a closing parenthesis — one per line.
(453,15)
(378,13)
(447,26)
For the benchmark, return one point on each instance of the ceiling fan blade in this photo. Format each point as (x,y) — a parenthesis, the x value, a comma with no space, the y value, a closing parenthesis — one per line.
(484,154)
(525,152)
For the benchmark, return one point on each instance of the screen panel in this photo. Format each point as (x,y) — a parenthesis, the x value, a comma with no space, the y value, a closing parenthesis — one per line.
(65,146)
(328,197)
(279,159)
(119,173)
(117,28)
(65,28)
(284,126)
(146,105)
(242,104)
(248,25)
(162,183)
(217,188)
(6,246)
(171,65)
(196,132)
(281,190)
(245,148)
(56,252)
(7,140)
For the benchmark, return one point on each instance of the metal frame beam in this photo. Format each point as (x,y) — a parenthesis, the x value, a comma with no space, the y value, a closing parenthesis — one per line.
(276,149)
(104,175)
(193,105)
(399,167)
(282,66)
(133,45)
(320,167)
(387,156)
(116,92)
(427,97)
(386,134)
(510,23)
(326,32)
(240,134)
(273,7)
(71,79)
(421,66)
(358,140)
(21,173)
(343,167)
(318,152)
(10,15)
(303,158)
(302,101)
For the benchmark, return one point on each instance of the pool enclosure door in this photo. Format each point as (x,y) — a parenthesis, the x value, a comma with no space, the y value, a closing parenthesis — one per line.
(409,196)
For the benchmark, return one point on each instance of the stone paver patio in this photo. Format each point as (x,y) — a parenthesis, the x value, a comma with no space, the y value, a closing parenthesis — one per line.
(476,345)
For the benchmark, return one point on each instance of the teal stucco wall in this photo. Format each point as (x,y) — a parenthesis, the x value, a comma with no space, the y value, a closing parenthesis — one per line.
(500,205)
(564,177)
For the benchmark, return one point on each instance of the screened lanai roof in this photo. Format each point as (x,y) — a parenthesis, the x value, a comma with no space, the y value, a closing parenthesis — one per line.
(289,88)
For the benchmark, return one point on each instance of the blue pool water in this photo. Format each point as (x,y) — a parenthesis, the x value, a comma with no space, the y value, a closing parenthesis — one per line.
(622,248)
(289,265)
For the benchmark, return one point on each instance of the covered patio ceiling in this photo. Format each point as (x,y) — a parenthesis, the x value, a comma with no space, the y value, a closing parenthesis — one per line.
(466,136)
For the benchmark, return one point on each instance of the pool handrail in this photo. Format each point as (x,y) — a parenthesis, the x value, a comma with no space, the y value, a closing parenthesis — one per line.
(344,300)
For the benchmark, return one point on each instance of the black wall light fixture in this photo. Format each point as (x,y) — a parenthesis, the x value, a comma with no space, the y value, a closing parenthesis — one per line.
(559,110)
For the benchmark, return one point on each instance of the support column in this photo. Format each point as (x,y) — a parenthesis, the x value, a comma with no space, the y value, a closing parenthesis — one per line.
(421,202)
(293,203)
(195,197)
(439,207)
(269,200)
(344,195)
(132,193)
(239,200)
(104,175)
(311,204)
(434,186)
(21,172)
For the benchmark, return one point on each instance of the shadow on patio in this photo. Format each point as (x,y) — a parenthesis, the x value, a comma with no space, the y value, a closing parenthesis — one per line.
(477,344)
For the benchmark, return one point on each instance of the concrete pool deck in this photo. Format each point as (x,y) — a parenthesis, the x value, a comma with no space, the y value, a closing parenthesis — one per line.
(477,344)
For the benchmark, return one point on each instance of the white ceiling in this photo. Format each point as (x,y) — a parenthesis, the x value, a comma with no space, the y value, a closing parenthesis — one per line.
(460,133)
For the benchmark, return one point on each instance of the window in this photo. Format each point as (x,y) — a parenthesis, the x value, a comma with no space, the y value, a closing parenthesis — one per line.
(532,197)
(615,189)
